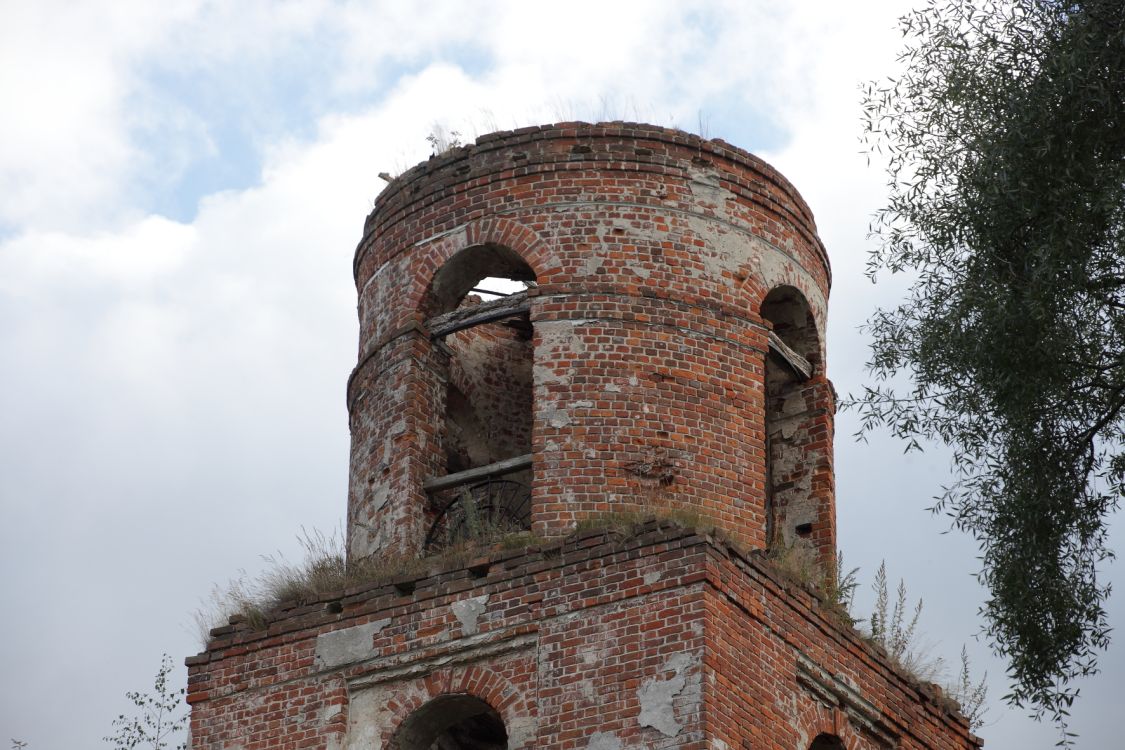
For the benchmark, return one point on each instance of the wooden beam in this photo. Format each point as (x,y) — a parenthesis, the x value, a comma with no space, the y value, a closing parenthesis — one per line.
(485,312)
(498,469)
(796,362)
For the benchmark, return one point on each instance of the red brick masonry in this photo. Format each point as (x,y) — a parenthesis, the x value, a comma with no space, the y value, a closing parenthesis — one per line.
(653,251)
(664,639)
(669,357)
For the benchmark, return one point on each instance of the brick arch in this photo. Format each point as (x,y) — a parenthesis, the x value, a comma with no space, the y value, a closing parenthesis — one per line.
(815,719)
(760,292)
(479,682)
(491,230)
(755,291)
(518,238)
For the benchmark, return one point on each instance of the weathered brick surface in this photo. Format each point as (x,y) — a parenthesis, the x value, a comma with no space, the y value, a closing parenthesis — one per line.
(640,376)
(666,639)
(491,370)
(653,251)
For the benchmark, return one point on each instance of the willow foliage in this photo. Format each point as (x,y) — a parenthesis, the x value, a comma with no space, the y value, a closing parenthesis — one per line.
(1005,139)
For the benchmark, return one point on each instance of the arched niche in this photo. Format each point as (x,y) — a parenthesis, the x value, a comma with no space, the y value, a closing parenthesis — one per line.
(452,722)
(793,359)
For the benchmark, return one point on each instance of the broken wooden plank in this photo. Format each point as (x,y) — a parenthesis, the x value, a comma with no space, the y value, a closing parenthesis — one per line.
(497,469)
(799,364)
(485,312)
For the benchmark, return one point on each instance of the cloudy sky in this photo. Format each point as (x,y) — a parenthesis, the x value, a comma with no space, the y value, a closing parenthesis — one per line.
(182,186)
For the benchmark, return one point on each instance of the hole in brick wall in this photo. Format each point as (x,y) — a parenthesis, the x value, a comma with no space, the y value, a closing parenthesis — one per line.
(334,608)
(449,722)
(804,529)
(826,741)
(479,571)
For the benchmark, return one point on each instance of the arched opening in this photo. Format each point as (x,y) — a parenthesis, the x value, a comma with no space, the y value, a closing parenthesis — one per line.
(480,324)
(462,273)
(793,358)
(826,741)
(452,722)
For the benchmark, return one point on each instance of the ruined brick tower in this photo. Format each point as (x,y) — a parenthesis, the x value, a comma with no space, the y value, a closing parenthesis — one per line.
(568,492)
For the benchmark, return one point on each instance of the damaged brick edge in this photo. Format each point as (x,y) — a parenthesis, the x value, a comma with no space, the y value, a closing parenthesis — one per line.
(809,605)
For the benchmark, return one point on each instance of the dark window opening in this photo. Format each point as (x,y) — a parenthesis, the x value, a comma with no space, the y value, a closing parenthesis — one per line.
(827,742)
(794,356)
(452,722)
(480,320)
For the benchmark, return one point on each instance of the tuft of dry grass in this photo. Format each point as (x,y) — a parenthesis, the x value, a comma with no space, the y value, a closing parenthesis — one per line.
(628,523)
(834,588)
(324,569)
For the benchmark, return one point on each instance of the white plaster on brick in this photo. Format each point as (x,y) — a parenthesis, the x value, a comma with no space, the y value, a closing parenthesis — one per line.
(656,696)
(468,612)
(557,417)
(346,646)
(603,741)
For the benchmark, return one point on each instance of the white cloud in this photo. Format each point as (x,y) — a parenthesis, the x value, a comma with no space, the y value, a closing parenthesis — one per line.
(172,392)
(93,129)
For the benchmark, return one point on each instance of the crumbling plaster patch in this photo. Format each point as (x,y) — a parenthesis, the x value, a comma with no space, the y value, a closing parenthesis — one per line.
(521,732)
(369,712)
(657,694)
(603,741)
(556,417)
(556,337)
(339,647)
(733,250)
(468,613)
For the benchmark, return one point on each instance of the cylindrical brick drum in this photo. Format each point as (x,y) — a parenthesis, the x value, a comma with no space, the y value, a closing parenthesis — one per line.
(660,349)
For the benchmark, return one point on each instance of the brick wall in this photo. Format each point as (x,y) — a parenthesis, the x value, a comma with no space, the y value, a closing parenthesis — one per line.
(653,251)
(637,377)
(661,639)
(490,368)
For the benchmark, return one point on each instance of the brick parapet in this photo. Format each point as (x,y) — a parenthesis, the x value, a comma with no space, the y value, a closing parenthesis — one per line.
(674,576)
(513,568)
(610,146)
